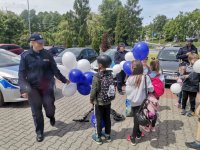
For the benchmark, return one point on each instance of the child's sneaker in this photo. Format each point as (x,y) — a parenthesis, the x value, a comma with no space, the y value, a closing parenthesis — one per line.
(193,145)
(97,139)
(190,114)
(183,112)
(133,142)
(178,105)
(107,138)
(153,129)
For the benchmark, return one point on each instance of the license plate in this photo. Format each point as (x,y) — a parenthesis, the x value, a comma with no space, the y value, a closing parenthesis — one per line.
(171,77)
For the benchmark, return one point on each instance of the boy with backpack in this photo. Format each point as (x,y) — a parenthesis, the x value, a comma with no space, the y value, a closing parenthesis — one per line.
(102,93)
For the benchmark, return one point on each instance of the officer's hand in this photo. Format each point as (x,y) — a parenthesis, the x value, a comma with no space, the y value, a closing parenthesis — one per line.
(25,95)
(68,82)
(188,53)
(198,111)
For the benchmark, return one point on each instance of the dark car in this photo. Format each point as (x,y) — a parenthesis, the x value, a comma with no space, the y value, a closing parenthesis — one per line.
(12,48)
(55,51)
(80,53)
(169,64)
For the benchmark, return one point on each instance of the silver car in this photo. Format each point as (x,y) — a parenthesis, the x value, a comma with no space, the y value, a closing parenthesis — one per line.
(9,66)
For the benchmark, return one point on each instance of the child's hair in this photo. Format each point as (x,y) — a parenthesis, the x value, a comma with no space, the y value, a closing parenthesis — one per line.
(155,65)
(192,56)
(137,69)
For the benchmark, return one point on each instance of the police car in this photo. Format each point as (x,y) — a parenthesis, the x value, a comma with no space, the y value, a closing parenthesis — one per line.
(9,66)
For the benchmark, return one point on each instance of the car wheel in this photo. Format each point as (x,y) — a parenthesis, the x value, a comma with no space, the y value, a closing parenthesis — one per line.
(1,99)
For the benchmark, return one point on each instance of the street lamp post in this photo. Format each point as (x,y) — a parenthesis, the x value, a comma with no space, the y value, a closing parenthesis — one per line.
(29,19)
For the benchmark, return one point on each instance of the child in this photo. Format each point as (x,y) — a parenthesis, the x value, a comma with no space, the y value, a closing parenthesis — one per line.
(158,81)
(101,99)
(135,90)
(182,71)
(190,86)
(145,66)
(196,144)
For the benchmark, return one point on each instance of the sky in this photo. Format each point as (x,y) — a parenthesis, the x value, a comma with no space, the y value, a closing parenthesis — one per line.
(151,8)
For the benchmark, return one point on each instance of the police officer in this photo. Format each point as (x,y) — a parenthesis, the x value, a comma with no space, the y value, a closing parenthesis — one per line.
(184,52)
(118,58)
(36,80)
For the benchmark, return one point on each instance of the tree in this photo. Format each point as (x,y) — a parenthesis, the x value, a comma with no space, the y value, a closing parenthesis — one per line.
(105,43)
(95,30)
(133,20)
(109,11)
(158,23)
(82,10)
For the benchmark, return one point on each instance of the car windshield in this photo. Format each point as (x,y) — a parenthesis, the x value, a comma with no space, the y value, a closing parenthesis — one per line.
(7,59)
(75,51)
(168,55)
(111,53)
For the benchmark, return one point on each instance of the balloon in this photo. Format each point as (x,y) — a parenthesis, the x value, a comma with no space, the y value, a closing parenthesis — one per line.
(83,65)
(63,71)
(93,121)
(140,51)
(122,64)
(127,67)
(176,88)
(129,56)
(117,69)
(69,60)
(89,77)
(69,90)
(76,76)
(84,89)
(196,66)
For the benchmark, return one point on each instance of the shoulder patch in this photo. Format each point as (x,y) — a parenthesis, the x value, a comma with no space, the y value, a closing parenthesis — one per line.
(24,54)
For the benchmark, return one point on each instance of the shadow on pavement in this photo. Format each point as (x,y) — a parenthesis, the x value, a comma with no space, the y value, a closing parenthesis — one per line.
(161,108)
(163,137)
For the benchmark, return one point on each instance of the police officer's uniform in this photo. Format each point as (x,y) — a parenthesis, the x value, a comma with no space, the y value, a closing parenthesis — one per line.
(36,77)
(181,55)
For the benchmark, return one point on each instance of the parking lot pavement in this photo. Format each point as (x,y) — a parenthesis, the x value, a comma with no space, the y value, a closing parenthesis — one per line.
(17,129)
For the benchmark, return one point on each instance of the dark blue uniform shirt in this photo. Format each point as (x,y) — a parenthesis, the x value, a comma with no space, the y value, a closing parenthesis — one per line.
(37,70)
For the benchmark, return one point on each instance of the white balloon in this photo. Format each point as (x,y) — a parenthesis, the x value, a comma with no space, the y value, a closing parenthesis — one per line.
(63,71)
(83,65)
(69,90)
(122,64)
(129,56)
(117,69)
(176,88)
(196,66)
(69,60)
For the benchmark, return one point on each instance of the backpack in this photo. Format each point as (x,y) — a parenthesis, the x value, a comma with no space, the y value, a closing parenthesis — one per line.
(158,85)
(107,87)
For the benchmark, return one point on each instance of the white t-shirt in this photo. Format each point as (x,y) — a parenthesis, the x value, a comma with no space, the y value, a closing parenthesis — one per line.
(135,94)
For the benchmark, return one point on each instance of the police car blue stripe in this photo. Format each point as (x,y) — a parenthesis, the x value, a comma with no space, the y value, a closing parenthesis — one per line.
(6,84)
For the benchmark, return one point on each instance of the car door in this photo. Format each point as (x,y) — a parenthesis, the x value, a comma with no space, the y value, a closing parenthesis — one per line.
(92,55)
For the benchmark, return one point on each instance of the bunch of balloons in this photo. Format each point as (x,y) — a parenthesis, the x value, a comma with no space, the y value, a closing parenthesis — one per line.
(78,73)
(139,52)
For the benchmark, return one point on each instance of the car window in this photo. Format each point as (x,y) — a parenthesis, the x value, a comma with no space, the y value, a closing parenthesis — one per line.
(8,60)
(168,55)
(91,52)
(84,54)
(75,51)
(4,47)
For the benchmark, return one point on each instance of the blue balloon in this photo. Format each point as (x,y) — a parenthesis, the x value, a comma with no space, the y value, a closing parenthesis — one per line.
(76,76)
(89,77)
(83,88)
(127,67)
(140,51)
(93,121)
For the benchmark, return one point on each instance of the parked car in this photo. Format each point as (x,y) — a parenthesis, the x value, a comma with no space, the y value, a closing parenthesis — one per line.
(55,51)
(9,66)
(12,48)
(169,64)
(80,53)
